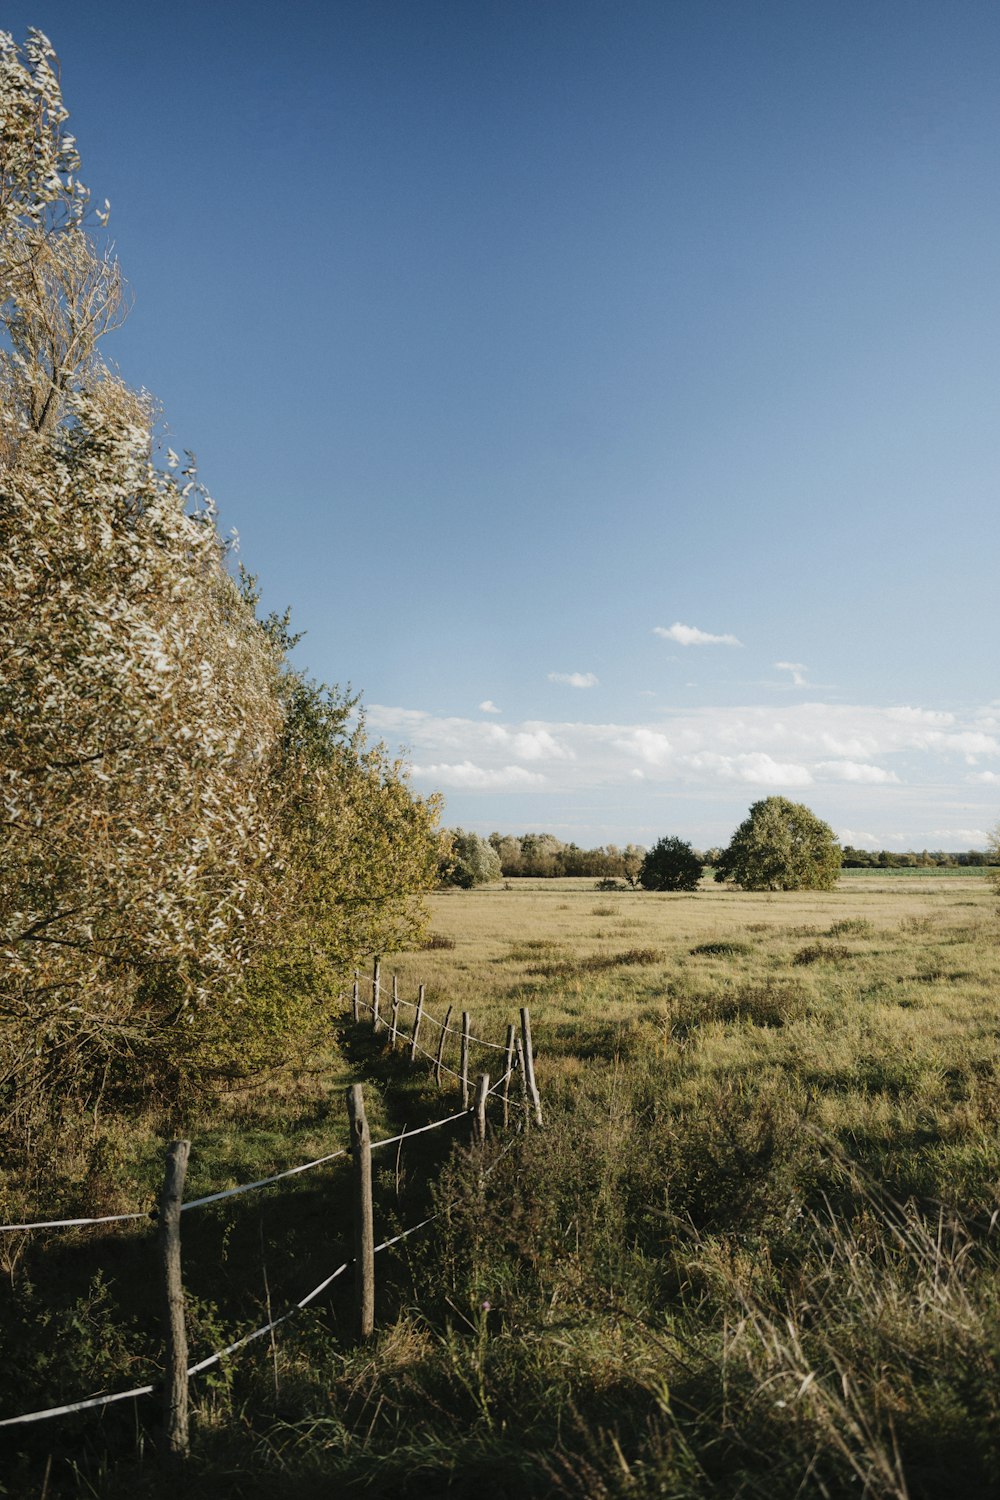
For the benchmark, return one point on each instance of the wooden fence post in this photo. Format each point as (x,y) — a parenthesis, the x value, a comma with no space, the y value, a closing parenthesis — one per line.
(479,1110)
(364,1225)
(416,1024)
(376,996)
(444,1033)
(395,1013)
(522,1075)
(175,1357)
(356,998)
(463,1066)
(529,1065)
(508,1064)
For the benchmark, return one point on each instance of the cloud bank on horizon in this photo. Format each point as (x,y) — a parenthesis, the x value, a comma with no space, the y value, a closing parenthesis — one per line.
(915,768)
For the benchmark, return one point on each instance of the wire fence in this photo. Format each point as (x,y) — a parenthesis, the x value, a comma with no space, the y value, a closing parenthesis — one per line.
(519,1059)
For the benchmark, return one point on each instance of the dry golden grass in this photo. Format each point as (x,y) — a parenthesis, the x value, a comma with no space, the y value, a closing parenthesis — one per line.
(909,967)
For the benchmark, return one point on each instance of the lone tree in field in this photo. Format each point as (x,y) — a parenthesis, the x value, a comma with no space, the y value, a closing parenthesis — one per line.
(671,865)
(781,846)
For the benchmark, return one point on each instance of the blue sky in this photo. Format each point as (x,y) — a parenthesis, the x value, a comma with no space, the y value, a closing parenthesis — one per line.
(510,336)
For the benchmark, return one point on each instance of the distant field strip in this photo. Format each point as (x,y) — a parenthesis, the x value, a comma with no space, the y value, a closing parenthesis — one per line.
(933,872)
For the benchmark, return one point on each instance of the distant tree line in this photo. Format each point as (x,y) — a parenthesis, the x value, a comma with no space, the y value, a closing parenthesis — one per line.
(542,854)
(890,859)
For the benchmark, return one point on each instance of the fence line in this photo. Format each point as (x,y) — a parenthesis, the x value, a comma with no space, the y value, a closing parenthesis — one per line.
(247,1338)
(177,1371)
(246,1187)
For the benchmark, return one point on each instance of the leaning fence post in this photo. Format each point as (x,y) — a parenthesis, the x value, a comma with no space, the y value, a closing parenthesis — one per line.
(395,1013)
(463,1067)
(441,1038)
(508,1065)
(529,1065)
(364,1225)
(175,1357)
(356,998)
(416,1024)
(479,1109)
(376,985)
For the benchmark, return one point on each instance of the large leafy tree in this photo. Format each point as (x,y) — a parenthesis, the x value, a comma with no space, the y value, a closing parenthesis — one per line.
(194,839)
(781,846)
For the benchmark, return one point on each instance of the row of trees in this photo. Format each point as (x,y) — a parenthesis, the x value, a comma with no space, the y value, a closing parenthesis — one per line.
(466,859)
(889,859)
(780,846)
(195,839)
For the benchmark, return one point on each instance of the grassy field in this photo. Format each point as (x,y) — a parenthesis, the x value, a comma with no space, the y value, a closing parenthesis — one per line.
(752,1253)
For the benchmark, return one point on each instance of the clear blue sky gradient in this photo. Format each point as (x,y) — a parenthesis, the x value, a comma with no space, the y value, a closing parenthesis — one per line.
(507,332)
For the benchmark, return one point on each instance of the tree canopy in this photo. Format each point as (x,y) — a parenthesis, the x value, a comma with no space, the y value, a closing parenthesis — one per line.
(671,865)
(466,860)
(781,846)
(196,839)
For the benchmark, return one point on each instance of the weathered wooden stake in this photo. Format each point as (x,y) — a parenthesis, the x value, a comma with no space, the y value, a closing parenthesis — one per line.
(529,1065)
(508,1063)
(416,1024)
(376,994)
(522,1075)
(356,998)
(463,1066)
(479,1109)
(364,1224)
(175,1356)
(394,1032)
(441,1041)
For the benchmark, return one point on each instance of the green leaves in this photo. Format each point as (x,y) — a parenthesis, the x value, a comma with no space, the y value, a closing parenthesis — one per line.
(781,846)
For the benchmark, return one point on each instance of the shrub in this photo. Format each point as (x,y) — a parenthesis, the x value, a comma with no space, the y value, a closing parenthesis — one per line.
(671,865)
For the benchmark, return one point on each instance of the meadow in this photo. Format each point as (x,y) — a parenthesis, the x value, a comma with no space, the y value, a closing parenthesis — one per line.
(753,1251)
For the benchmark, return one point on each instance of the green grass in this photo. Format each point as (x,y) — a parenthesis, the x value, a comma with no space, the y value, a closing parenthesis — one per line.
(929,872)
(751,1253)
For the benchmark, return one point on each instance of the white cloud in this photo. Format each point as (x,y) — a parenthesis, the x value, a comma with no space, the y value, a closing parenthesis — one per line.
(648,744)
(797,670)
(858,840)
(969,742)
(756,769)
(480,778)
(927,716)
(690,635)
(985,778)
(574,679)
(489,707)
(539,744)
(852,770)
(974,837)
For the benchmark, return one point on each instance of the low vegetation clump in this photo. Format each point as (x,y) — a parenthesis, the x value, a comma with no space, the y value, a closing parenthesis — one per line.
(823,953)
(723,948)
